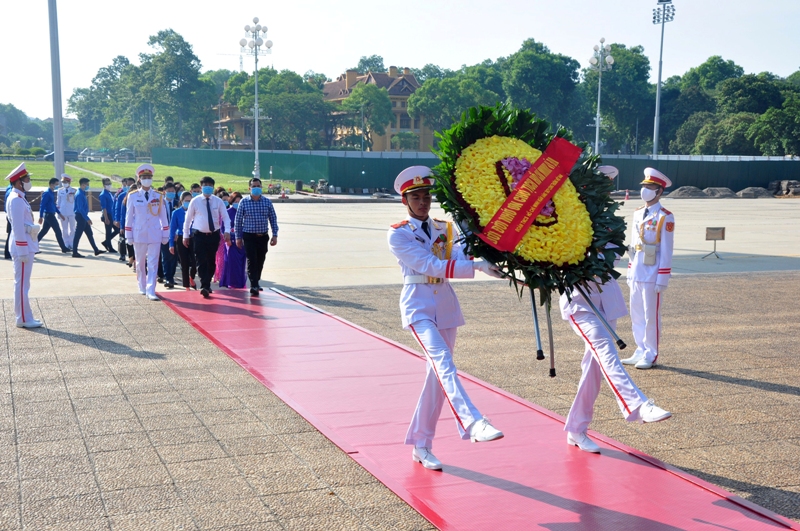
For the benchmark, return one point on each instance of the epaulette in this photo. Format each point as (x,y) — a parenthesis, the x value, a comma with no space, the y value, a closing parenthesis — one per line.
(398,225)
(667,212)
(641,207)
(440,220)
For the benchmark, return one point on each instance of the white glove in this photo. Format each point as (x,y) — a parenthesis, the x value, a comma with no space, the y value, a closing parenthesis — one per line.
(660,288)
(487,268)
(33,230)
(24,258)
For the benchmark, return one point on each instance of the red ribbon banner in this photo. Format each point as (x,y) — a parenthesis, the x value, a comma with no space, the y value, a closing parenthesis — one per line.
(539,184)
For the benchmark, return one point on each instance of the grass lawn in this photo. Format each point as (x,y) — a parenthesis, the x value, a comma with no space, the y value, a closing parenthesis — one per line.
(42,172)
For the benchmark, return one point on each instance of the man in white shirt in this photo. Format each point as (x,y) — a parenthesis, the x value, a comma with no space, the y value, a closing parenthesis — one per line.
(204,217)
(65,201)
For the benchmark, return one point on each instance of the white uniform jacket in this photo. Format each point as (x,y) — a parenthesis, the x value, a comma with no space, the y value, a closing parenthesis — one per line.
(658,228)
(20,216)
(65,201)
(414,252)
(146,219)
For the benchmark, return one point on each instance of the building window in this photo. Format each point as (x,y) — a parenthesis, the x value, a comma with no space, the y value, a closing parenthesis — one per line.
(394,104)
(416,123)
(405,121)
(403,104)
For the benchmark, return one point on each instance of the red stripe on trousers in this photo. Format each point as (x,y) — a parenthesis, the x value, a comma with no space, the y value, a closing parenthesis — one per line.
(438,379)
(658,328)
(22,292)
(597,358)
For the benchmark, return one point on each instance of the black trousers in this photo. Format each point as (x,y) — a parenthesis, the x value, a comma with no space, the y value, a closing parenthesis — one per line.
(111,231)
(50,222)
(255,247)
(186,258)
(205,254)
(81,227)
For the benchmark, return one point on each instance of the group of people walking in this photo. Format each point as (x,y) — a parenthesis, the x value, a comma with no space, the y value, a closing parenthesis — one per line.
(430,255)
(209,233)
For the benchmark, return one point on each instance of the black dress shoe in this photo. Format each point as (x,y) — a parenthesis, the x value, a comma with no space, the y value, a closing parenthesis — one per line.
(98,252)
(260,288)
(65,251)
(76,255)
(253,291)
(204,293)
(160,280)
(170,285)
(121,258)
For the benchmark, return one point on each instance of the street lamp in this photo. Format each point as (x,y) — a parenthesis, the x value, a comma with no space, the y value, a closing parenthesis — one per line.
(665,12)
(600,61)
(251,46)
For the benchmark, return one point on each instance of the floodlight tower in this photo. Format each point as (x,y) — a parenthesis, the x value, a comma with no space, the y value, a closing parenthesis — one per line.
(256,32)
(600,61)
(665,12)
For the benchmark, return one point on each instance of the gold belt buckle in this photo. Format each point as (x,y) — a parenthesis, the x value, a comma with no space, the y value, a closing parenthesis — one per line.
(434,280)
(638,247)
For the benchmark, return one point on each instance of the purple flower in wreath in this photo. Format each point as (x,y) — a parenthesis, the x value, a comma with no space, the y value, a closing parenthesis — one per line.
(517,168)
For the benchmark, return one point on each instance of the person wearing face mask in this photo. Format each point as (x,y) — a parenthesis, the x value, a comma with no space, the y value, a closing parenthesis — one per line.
(649,268)
(47,215)
(195,189)
(176,248)
(219,261)
(107,217)
(234,272)
(255,216)
(65,201)
(120,206)
(429,254)
(201,228)
(146,227)
(23,244)
(168,261)
(84,224)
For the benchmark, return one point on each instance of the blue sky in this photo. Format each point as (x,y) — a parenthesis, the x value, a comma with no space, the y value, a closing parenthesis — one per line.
(329,37)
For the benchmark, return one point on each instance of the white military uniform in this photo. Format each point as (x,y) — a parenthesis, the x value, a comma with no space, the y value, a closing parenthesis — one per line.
(21,243)
(430,309)
(65,201)
(652,225)
(146,227)
(600,359)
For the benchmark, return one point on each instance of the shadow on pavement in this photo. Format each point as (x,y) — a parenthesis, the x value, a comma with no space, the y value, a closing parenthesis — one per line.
(755,384)
(104,345)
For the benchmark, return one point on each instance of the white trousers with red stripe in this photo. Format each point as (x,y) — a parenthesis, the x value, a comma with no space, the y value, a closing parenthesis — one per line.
(22,283)
(147,255)
(441,385)
(646,319)
(68,230)
(600,361)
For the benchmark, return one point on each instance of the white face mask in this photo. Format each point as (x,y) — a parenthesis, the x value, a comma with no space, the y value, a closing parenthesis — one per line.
(107,187)
(648,195)
(147,183)
(65,185)
(27,186)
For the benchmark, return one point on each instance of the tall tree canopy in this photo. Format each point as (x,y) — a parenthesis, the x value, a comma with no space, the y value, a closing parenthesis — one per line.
(711,73)
(442,101)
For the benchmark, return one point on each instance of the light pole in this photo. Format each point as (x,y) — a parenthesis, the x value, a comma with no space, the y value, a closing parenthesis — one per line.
(600,61)
(55,72)
(665,12)
(255,32)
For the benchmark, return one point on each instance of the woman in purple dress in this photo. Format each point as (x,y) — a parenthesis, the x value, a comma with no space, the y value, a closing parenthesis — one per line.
(234,274)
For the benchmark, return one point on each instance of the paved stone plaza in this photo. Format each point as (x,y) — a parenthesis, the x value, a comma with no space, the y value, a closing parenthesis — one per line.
(119,415)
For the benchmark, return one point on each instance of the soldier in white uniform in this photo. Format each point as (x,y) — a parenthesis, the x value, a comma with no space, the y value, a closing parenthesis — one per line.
(65,201)
(23,244)
(600,359)
(649,268)
(429,255)
(146,227)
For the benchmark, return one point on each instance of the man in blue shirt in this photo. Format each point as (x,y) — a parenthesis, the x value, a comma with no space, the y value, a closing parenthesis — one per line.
(253,219)
(47,215)
(119,217)
(169,262)
(83,223)
(176,247)
(107,217)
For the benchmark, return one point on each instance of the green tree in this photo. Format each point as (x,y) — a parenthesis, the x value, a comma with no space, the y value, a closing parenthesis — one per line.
(777,131)
(315,79)
(442,101)
(376,107)
(12,120)
(750,93)
(686,135)
(539,80)
(218,78)
(405,140)
(626,96)
(431,71)
(675,113)
(488,74)
(712,72)
(727,136)
(794,79)
(373,63)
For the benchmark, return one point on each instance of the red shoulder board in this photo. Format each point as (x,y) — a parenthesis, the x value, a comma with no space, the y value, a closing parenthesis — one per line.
(665,211)
(398,225)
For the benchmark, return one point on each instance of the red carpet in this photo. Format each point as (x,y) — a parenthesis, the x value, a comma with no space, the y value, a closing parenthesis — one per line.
(360,390)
